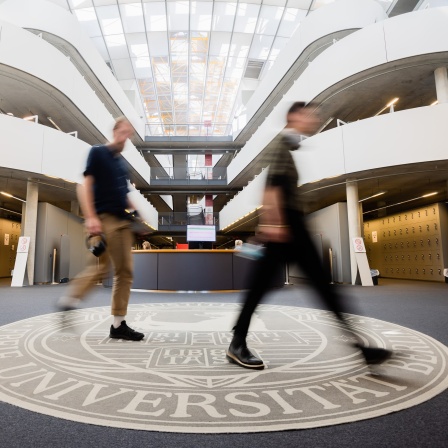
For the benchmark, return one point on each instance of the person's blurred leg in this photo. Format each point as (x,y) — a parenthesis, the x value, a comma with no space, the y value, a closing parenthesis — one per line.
(261,281)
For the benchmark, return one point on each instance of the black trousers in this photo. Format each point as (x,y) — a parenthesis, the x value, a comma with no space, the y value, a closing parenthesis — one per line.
(300,250)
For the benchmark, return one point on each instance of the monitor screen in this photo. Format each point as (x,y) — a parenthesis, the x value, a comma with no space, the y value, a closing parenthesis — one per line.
(201,233)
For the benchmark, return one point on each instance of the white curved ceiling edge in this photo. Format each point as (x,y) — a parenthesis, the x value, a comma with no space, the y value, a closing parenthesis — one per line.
(47,151)
(48,17)
(39,59)
(246,201)
(340,16)
(405,36)
(369,144)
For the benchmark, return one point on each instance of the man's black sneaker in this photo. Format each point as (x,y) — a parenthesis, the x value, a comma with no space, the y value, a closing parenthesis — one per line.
(374,355)
(242,356)
(124,332)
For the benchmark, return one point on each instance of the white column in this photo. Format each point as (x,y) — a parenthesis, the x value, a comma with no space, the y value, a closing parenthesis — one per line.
(74,208)
(441,78)
(354,222)
(30,225)
(22,222)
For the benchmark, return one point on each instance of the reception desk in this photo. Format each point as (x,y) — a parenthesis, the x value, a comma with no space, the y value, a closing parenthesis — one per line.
(192,270)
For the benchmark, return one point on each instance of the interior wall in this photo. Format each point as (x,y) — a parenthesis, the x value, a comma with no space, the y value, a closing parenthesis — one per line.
(9,237)
(409,245)
(52,223)
(331,223)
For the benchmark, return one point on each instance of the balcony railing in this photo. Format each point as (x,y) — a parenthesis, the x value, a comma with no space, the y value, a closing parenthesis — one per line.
(190,173)
(176,219)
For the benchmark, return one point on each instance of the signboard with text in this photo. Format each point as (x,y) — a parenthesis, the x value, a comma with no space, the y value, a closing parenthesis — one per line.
(23,247)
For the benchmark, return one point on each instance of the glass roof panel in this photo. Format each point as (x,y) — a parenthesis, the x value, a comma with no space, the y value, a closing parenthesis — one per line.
(142,67)
(104,2)
(201,16)
(79,3)
(116,46)
(246,19)
(110,20)
(291,20)
(186,59)
(224,16)
(319,3)
(123,68)
(269,20)
(89,21)
(132,18)
(178,15)
(155,16)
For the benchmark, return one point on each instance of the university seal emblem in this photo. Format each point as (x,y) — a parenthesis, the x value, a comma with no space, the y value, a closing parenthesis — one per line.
(178,379)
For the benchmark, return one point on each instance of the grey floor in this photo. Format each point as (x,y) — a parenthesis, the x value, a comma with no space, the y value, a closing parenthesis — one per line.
(418,305)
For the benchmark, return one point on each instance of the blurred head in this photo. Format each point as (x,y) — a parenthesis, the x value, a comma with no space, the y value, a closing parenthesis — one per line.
(122,131)
(301,118)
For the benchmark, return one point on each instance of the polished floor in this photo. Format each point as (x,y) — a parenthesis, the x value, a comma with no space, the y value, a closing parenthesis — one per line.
(418,305)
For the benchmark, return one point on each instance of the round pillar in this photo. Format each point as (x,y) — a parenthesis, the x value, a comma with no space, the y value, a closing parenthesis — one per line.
(354,222)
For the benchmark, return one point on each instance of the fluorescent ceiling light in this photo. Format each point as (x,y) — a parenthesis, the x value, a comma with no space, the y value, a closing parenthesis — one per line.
(403,202)
(11,196)
(389,104)
(34,118)
(392,102)
(373,196)
(434,103)
(10,211)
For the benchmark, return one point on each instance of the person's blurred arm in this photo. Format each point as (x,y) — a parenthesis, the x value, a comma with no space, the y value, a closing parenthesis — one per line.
(272,226)
(87,204)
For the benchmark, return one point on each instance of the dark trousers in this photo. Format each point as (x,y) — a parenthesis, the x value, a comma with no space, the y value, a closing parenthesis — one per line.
(300,250)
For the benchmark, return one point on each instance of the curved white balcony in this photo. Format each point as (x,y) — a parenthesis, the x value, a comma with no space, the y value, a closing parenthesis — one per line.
(27,146)
(50,18)
(315,32)
(387,141)
(382,45)
(46,64)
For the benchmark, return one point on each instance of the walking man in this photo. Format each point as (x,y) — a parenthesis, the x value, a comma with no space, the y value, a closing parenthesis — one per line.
(283,231)
(104,200)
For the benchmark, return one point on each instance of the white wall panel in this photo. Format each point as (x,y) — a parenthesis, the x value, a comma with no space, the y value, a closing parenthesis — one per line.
(416,33)
(61,157)
(244,202)
(321,156)
(17,139)
(411,136)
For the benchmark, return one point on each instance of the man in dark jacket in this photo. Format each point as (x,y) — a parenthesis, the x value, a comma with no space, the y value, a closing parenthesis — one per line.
(283,230)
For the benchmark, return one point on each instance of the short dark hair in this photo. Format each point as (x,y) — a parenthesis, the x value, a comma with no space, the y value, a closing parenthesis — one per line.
(296,107)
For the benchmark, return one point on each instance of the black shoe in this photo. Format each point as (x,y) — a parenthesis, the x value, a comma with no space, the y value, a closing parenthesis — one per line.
(374,355)
(242,356)
(66,308)
(124,332)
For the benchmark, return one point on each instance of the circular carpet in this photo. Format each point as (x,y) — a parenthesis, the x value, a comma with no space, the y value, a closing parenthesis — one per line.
(178,379)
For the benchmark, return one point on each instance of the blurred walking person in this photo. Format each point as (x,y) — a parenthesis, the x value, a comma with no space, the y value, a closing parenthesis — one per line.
(104,200)
(283,231)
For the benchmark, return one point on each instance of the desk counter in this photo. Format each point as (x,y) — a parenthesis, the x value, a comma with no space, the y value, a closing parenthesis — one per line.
(192,270)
